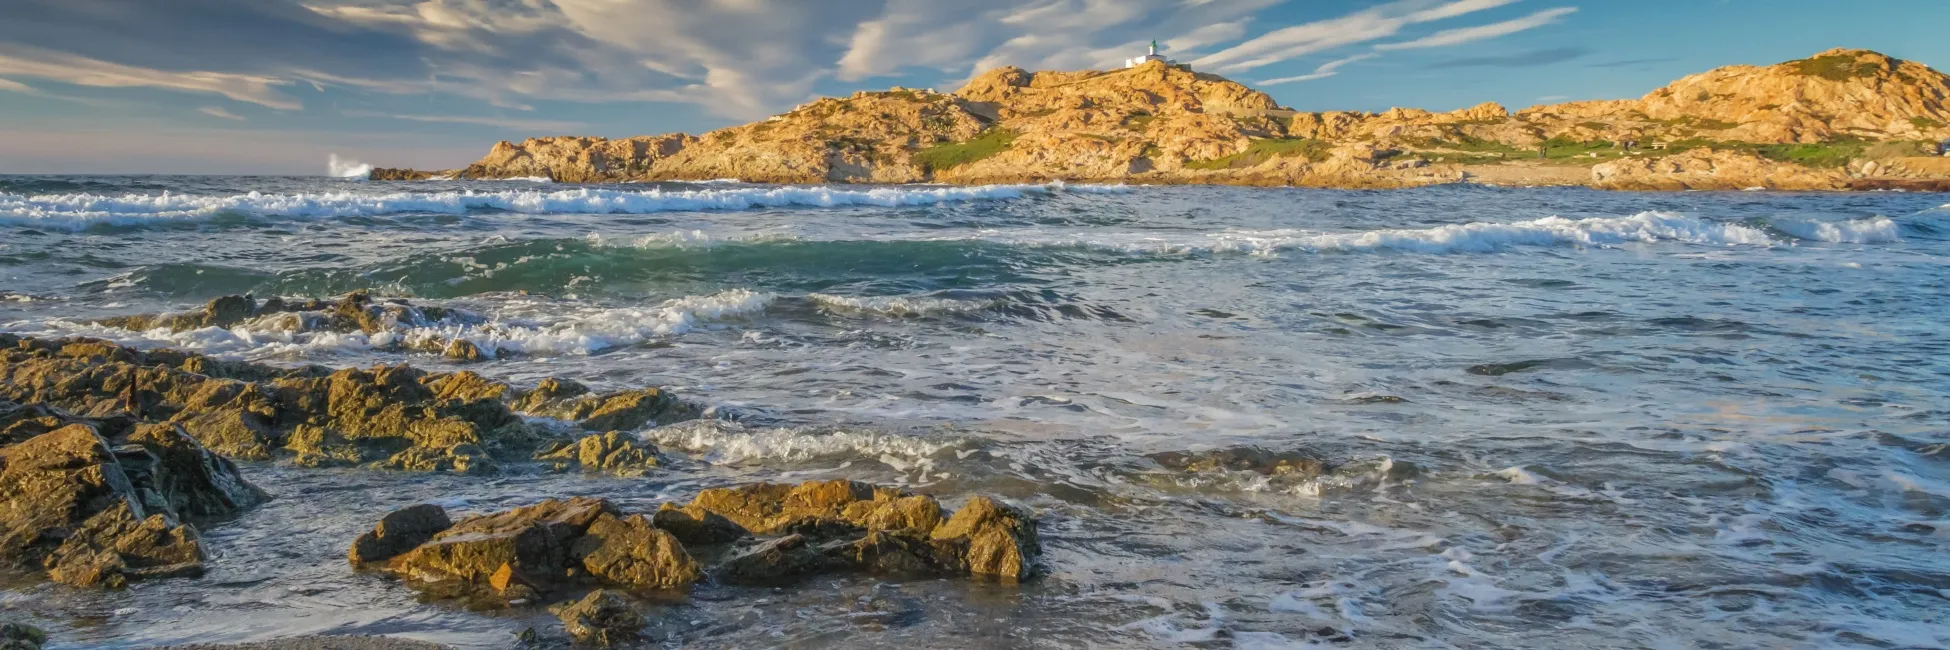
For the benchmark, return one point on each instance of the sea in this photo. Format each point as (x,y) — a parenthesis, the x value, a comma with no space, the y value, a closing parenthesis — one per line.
(1542,417)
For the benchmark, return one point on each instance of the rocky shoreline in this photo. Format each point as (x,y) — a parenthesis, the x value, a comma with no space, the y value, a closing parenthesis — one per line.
(1837,121)
(112,459)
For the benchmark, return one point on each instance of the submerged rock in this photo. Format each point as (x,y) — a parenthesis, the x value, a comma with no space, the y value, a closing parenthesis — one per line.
(614,452)
(104,511)
(393,416)
(21,636)
(538,549)
(1243,459)
(603,618)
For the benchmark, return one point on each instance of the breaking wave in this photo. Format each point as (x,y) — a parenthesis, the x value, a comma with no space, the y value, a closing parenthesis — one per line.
(724,442)
(1872,230)
(546,329)
(346,167)
(1477,237)
(80,211)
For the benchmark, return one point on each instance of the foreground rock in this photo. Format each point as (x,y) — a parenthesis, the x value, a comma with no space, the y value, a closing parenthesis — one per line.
(396,417)
(603,618)
(760,534)
(106,502)
(321,643)
(21,636)
(1160,123)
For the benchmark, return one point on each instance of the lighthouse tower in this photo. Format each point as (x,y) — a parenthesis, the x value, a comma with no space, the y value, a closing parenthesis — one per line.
(1153,55)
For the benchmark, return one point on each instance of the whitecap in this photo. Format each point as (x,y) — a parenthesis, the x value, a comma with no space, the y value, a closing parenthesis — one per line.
(79,211)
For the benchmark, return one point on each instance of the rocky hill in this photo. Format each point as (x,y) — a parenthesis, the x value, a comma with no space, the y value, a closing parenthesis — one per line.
(1840,119)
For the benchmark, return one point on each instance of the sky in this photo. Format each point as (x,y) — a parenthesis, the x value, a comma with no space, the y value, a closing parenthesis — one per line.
(277,86)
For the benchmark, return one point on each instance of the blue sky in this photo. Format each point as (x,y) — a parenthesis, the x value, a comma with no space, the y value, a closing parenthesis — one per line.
(274,86)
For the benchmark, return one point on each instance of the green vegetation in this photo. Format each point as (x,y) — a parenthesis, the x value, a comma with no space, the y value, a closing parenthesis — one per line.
(1925,123)
(1102,137)
(1836,67)
(1822,154)
(954,154)
(1139,119)
(1263,150)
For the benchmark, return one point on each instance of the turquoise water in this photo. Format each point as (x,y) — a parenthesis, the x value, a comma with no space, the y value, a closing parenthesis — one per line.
(1552,416)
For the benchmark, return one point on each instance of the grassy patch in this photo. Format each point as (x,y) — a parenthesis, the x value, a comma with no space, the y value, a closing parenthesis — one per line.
(1263,150)
(1139,119)
(1925,123)
(1836,68)
(1102,137)
(954,154)
(1821,154)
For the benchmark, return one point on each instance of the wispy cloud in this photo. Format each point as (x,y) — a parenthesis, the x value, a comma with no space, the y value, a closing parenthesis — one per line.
(1372,24)
(1518,60)
(1463,35)
(83,71)
(1325,70)
(220,112)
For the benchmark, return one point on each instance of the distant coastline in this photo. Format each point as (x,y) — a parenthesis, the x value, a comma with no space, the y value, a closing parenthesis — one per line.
(1839,120)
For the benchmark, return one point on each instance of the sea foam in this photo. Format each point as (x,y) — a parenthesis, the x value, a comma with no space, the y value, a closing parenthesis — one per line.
(78,211)
(1475,237)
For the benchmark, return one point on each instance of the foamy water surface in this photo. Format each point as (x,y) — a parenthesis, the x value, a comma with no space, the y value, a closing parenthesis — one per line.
(1548,417)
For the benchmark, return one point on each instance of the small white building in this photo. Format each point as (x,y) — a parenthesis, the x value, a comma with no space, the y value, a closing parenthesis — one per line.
(1147,58)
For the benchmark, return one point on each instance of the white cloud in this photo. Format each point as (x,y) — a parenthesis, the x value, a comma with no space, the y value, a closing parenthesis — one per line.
(218,111)
(83,71)
(1481,32)
(1372,24)
(1325,70)
(15,86)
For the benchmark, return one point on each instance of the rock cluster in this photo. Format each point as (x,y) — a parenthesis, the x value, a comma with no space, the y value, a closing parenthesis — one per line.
(1159,123)
(106,501)
(759,534)
(394,416)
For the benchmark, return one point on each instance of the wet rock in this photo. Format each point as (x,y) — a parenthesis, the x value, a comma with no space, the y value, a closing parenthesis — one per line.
(529,551)
(96,512)
(615,452)
(766,508)
(464,350)
(630,552)
(994,539)
(387,416)
(1242,459)
(811,528)
(623,410)
(772,562)
(400,531)
(603,618)
(20,636)
(696,526)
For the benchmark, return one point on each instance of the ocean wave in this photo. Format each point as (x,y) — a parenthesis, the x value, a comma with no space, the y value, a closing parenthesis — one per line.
(80,211)
(725,442)
(901,306)
(1872,230)
(1476,237)
(536,329)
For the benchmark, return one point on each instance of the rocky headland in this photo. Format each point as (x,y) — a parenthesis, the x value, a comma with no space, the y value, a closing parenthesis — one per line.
(1842,119)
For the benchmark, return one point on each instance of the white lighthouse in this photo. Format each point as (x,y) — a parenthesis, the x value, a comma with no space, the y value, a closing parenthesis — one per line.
(1153,55)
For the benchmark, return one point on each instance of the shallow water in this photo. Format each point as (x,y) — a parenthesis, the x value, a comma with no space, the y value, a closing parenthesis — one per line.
(1557,417)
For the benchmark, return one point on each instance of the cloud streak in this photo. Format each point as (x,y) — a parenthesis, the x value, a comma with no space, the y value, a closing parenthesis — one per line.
(1463,35)
(1325,70)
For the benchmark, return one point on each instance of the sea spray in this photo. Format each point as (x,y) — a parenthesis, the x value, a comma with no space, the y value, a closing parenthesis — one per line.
(347,168)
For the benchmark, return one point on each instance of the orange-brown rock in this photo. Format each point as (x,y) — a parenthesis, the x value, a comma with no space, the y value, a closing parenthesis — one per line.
(1159,123)
(387,416)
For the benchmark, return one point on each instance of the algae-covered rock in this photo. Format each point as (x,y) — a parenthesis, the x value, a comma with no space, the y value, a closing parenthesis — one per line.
(622,410)
(996,539)
(20,636)
(697,526)
(614,452)
(603,618)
